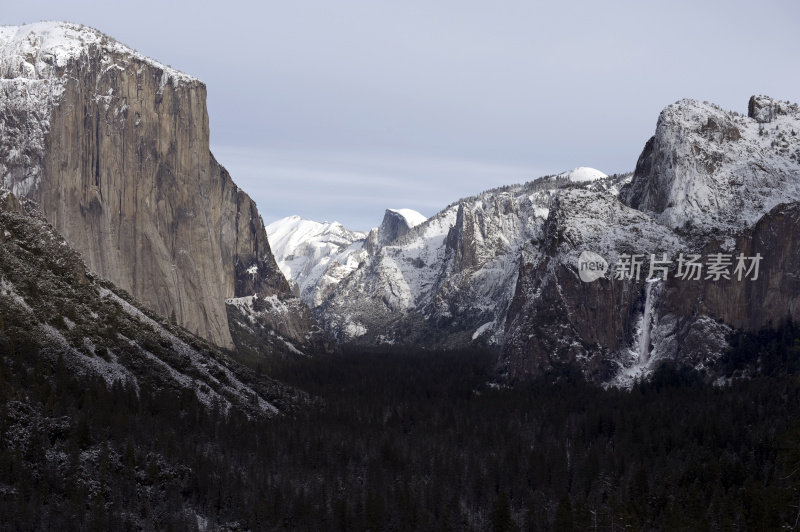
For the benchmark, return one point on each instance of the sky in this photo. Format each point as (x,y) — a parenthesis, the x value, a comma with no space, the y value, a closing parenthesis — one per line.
(339,110)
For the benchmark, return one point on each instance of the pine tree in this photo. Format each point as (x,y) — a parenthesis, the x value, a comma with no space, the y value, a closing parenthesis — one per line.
(501,515)
(563,519)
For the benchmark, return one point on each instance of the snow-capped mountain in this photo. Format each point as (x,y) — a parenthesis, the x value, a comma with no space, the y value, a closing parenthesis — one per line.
(314,256)
(33,61)
(708,170)
(449,281)
(500,268)
(707,183)
(397,223)
(442,282)
(582,174)
(114,148)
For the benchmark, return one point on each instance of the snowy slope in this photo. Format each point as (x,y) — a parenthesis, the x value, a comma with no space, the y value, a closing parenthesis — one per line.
(49,299)
(708,170)
(582,174)
(448,281)
(38,50)
(314,255)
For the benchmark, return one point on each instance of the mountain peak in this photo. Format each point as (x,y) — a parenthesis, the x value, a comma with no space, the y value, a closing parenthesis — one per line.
(73,98)
(412,217)
(34,51)
(714,171)
(397,223)
(764,109)
(583,174)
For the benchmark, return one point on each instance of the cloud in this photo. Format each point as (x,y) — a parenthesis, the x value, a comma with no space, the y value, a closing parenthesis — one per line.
(355,188)
(418,103)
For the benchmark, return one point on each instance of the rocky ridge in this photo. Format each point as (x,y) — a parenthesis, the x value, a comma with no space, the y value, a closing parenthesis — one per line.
(501,268)
(51,304)
(707,170)
(445,282)
(709,182)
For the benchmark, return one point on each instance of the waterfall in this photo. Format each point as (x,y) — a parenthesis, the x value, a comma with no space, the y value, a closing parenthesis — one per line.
(650,294)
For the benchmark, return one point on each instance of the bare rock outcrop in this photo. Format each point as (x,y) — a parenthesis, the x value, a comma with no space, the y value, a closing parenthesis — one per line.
(114,147)
(710,183)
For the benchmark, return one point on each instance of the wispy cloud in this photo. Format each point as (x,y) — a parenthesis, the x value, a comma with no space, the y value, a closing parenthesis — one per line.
(355,188)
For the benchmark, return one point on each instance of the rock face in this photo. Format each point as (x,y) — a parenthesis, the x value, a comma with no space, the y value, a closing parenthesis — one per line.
(115,149)
(616,330)
(708,182)
(397,224)
(445,282)
(557,318)
(437,284)
(765,302)
(708,170)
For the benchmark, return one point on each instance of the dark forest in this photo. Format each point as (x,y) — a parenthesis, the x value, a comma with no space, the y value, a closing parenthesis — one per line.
(409,441)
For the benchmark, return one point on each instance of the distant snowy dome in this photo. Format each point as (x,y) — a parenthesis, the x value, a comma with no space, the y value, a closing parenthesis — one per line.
(583,174)
(396,224)
(412,217)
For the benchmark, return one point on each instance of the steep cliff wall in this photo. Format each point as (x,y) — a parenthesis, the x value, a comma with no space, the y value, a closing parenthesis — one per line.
(707,170)
(115,149)
(708,182)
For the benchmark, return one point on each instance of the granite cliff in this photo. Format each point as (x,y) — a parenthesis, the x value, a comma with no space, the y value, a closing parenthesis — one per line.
(708,183)
(114,148)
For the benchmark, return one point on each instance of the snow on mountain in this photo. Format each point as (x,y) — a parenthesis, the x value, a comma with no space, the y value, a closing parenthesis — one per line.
(50,300)
(412,217)
(449,280)
(36,51)
(314,256)
(114,148)
(602,327)
(446,281)
(32,59)
(708,170)
(396,224)
(708,182)
(582,174)
(500,267)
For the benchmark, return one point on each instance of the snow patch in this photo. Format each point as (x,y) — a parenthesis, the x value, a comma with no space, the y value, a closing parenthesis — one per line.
(354,329)
(200,362)
(412,217)
(7,289)
(583,174)
(482,329)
